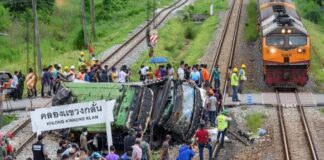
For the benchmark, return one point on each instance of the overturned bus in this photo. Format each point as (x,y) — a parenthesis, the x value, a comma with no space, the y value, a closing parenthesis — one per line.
(161,107)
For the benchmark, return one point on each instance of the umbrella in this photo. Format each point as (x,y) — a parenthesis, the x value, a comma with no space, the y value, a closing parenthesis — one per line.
(158,60)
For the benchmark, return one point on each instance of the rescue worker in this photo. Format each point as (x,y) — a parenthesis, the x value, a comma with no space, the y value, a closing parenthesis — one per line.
(234,84)
(66,71)
(39,150)
(202,136)
(215,75)
(222,125)
(211,107)
(81,60)
(71,76)
(242,78)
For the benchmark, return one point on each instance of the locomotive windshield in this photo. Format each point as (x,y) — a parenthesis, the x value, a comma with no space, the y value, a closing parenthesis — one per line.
(275,40)
(297,40)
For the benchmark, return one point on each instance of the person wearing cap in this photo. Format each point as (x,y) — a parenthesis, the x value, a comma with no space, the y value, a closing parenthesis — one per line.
(211,107)
(234,84)
(39,150)
(242,78)
(202,137)
(215,75)
(71,76)
(222,125)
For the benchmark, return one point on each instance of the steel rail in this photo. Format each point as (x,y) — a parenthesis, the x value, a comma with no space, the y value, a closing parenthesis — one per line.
(282,127)
(175,5)
(306,127)
(230,64)
(232,52)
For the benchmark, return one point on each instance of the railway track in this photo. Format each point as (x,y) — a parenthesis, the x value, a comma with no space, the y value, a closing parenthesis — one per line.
(296,137)
(225,51)
(23,134)
(122,51)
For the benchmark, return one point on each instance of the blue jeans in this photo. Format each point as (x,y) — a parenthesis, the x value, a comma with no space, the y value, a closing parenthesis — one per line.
(201,147)
(234,96)
(216,83)
(240,88)
(222,134)
(212,118)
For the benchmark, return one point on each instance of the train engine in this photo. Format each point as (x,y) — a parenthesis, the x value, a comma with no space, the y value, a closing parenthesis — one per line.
(285,44)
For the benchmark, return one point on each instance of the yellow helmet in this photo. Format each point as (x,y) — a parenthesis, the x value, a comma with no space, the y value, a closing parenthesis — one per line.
(235,69)
(66,68)
(243,66)
(81,53)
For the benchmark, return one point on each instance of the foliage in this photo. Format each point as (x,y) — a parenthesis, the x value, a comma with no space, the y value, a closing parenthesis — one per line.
(251,33)
(322,110)
(20,6)
(182,39)
(78,42)
(7,119)
(255,120)
(4,18)
(310,10)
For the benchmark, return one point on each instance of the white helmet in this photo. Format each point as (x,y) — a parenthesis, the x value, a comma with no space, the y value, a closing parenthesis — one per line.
(72,67)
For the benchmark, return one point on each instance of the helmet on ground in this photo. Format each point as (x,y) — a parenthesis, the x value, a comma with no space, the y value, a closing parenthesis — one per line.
(235,70)
(81,53)
(72,67)
(243,66)
(225,112)
(66,68)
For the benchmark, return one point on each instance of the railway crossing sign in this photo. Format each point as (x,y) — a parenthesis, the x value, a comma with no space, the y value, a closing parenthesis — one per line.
(154,37)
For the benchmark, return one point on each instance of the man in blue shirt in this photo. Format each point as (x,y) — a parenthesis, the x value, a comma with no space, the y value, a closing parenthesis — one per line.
(215,75)
(185,152)
(195,76)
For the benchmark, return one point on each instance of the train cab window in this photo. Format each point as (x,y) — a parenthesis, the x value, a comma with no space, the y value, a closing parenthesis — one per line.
(275,40)
(297,40)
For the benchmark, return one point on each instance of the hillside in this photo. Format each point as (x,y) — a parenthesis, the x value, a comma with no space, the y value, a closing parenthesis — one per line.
(61,32)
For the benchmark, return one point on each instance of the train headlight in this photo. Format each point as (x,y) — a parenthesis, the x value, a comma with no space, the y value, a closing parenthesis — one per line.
(300,50)
(272,50)
(283,31)
(289,31)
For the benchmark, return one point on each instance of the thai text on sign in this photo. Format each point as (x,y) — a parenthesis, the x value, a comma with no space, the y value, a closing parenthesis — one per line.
(72,115)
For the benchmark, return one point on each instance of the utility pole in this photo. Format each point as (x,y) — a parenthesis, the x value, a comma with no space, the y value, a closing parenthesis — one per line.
(84,23)
(93,19)
(37,41)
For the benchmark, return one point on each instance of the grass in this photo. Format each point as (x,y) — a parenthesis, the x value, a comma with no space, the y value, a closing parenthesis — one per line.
(316,33)
(183,39)
(250,30)
(254,121)
(322,110)
(7,119)
(58,36)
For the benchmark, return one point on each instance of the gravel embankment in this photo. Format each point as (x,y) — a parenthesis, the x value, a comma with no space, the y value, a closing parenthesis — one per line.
(21,117)
(51,146)
(295,134)
(315,121)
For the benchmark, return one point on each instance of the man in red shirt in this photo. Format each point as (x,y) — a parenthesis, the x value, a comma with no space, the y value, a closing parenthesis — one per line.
(203,141)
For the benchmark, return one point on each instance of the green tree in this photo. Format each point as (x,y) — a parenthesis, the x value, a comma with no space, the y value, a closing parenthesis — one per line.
(312,11)
(4,18)
(20,6)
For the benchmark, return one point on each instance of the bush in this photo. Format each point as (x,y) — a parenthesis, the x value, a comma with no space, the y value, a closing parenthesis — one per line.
(4,18)
(190,32)
(310,10)
(79,41)
(255,121)
(251,32)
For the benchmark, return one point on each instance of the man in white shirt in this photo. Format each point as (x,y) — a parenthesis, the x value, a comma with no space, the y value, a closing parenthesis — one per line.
(181,72)
(122,76)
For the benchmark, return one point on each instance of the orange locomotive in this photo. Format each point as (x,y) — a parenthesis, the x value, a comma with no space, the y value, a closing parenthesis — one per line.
(285,44)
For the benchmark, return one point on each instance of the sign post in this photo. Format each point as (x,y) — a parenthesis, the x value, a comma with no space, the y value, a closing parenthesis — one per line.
(74,115)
